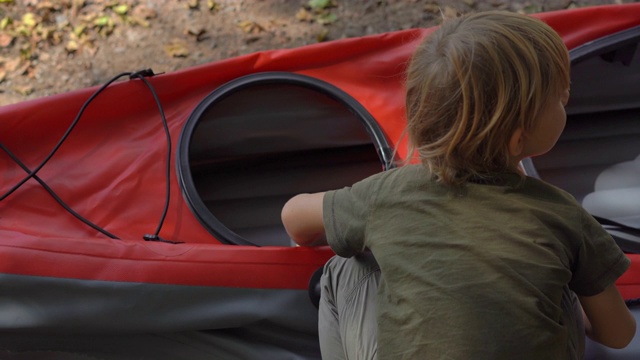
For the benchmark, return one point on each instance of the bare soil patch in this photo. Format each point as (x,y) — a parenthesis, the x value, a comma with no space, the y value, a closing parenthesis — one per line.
(53,46)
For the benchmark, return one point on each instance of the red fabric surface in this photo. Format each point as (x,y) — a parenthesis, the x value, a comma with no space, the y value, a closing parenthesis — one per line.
(111,168)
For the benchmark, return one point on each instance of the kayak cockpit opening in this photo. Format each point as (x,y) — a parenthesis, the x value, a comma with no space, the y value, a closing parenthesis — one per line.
(597,157)
(258,140)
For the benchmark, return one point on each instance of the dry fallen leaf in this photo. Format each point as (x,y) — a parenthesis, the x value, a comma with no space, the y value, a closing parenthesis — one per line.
(199,33)
(304,15)
(56,38)
(71,46)
(48,5)
(29,20)
(26,52)
(12,65)
(320,4)
(105,25)
(144,12)
(450,12)
(250,27)
(6,40)
(252,39)
(136,20)
(23,90)
(89,49)
(76,5)
(31,72)
(193,4)
(121,9)
(177,48)
(432,8)
(46,32)
(79,30)
(326,18)
(213,6)
(102,21)
(6,21)
(24,68)
(322,36)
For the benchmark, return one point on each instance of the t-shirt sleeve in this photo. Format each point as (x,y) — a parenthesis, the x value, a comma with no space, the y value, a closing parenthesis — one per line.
(345,214)
(599,262)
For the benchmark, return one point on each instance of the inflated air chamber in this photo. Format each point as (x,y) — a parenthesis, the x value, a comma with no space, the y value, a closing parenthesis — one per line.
(258,140)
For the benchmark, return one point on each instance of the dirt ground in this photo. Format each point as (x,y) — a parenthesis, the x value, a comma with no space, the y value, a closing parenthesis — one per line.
(53,46)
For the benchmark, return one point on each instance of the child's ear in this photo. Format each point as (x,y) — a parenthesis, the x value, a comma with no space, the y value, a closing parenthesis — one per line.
(516,143)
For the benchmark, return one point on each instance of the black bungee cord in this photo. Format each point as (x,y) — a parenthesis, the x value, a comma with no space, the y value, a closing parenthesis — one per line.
(142,74)
(55,196)
(64,137)
(156,235)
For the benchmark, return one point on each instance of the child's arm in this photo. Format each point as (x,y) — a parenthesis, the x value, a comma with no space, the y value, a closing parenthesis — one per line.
(302,218)
(608,320)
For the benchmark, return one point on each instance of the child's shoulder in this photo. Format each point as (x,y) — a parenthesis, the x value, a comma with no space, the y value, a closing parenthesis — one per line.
(544,190)
(409,170)
(404,174)
(394,180)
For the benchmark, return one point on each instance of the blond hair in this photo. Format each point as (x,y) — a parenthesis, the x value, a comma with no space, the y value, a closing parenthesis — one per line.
(472,83)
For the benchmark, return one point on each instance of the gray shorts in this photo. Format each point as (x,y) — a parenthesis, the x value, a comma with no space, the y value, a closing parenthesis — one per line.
(347,312)
(347,323)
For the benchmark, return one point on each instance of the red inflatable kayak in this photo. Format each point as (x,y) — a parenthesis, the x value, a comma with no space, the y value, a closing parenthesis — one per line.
(142,219)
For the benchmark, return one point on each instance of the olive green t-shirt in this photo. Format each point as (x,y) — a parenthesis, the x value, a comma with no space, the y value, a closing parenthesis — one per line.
(475,273)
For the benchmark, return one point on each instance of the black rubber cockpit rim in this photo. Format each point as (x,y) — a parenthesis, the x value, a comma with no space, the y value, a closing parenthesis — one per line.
(604,44)
(185,179)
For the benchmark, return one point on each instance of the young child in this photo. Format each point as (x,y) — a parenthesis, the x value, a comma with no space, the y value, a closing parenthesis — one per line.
(477,260)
